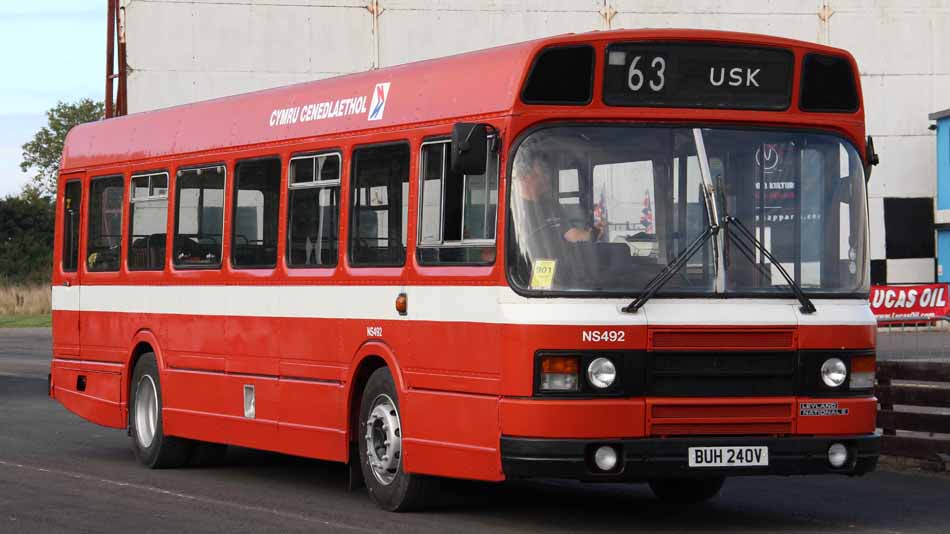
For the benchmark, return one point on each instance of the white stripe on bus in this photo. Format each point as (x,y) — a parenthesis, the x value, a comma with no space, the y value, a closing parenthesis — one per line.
(475,304)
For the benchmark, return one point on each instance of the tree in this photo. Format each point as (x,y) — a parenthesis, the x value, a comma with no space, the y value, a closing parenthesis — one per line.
(41,155)
(26,239)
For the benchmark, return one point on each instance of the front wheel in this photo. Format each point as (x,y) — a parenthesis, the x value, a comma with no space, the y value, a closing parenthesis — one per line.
(152,447)
(686,490)
(380,444)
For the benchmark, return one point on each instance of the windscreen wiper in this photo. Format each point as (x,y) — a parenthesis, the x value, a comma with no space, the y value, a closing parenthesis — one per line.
(730,221)
(712,214)
(664,276)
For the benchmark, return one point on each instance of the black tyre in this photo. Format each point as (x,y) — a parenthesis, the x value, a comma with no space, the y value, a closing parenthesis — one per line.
(152,447)
(686,490)
(380,445)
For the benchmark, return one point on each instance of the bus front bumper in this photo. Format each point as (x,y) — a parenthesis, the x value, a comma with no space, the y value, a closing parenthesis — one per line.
(647,458)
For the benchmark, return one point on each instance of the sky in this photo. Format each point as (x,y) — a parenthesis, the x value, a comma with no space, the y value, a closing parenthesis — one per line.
(50,51)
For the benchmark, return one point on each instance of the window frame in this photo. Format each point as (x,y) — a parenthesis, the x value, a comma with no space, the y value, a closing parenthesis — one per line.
(463,243)
(150,196)
(234,205)
(224,204)
(351,221)
(318,185)
(88,236)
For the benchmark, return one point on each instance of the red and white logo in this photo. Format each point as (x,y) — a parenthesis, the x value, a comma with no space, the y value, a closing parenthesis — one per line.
(378,105)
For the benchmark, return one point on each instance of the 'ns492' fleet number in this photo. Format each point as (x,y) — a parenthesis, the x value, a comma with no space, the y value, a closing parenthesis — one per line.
(603,336)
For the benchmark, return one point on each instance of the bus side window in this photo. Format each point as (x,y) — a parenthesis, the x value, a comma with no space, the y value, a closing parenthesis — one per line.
(314,214)
(199,220)
(148,215)
(104,238)
(457,213)
(380,181)
(256,213)
(72,199)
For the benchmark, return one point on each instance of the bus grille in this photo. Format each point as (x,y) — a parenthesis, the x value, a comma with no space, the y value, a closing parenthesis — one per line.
(677,418)
(721,374)
(755,339)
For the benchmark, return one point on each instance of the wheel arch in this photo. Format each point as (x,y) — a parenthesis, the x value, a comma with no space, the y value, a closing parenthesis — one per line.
(371,356)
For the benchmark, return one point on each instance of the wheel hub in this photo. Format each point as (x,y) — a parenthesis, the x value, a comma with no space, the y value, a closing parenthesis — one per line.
(146,411)
(384,439)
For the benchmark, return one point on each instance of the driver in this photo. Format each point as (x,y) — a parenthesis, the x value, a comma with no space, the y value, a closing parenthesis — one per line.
(533,181)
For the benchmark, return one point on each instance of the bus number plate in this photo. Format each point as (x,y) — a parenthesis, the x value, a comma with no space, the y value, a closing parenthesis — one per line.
(728,456)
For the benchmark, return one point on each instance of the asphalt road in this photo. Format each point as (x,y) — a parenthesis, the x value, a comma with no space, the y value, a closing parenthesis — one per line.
(59,473)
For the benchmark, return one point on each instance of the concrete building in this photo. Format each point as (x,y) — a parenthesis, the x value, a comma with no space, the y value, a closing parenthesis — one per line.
(186,50)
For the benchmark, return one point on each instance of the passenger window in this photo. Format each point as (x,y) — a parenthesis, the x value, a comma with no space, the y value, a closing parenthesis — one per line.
(314,219)
(256,213)
(72,199)
(457,223)
(104,244)
(200,217)
(148,216)
(380,194)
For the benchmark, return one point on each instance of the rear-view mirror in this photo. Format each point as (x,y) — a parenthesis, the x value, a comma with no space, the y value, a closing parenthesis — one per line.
(872,158)
(469,148)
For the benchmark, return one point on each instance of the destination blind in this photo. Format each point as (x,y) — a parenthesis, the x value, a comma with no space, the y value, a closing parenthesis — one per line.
(689,75)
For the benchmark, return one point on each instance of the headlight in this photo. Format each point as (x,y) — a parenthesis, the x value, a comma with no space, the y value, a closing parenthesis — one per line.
(601,373)
(833,372)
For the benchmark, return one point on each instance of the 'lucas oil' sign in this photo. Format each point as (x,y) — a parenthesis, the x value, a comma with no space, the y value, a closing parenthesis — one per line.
(910,302)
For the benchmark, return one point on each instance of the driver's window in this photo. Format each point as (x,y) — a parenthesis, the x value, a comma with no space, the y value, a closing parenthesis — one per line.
(457,212)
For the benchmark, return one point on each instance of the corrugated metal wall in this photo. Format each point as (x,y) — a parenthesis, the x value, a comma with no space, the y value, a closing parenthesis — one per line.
(187,50)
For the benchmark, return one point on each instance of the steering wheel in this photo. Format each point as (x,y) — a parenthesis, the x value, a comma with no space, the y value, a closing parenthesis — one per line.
(550,222)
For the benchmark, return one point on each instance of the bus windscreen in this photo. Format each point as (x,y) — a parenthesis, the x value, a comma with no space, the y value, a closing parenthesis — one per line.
(687,75)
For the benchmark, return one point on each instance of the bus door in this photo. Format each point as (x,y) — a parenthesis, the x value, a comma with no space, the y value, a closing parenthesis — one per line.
(66,271)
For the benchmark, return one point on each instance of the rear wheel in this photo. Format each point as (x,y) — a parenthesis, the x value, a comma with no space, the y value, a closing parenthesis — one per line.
(686,490)
(152,447)
(380,444)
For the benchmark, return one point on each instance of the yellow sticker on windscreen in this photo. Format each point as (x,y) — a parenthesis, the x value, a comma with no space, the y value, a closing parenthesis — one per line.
(542,274)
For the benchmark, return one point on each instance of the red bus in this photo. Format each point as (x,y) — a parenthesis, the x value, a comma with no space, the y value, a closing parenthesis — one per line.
(617,256)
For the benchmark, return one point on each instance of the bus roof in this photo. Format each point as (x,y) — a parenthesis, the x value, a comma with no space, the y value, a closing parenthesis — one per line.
(480,83)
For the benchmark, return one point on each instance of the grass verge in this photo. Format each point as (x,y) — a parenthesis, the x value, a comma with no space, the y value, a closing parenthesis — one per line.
(25,321)
(24,306)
